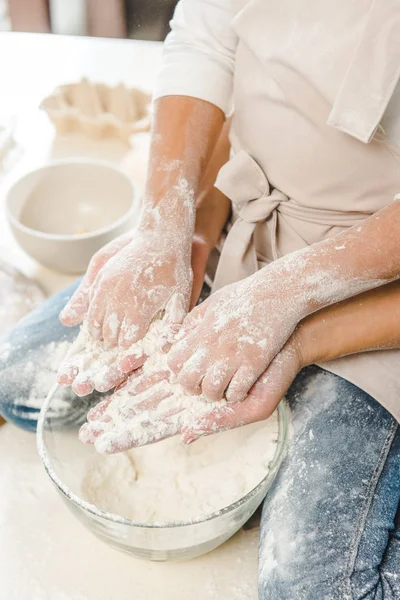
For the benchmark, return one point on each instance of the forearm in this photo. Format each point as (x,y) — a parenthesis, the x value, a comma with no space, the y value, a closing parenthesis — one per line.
(212,206)
(370,321)
(185,131)
(362,258)
(212,213)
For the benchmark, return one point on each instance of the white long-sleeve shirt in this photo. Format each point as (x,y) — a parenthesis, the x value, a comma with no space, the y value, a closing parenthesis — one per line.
(199,53)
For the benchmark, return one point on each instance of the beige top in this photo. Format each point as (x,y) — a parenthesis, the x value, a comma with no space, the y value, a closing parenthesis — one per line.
(312,82)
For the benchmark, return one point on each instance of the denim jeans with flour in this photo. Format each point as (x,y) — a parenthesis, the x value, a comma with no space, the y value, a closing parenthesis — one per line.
(330,527)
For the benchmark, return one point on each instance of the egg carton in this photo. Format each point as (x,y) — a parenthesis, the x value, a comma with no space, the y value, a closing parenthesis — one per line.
(98,110)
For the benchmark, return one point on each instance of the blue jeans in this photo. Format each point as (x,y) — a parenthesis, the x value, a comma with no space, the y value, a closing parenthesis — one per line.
(329,529)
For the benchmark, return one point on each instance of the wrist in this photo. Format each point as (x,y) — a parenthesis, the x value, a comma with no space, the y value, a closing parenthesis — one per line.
(307,284)
(279,282)
(203,243)
(170,212)
(175,229)
(303,344)
(319,338)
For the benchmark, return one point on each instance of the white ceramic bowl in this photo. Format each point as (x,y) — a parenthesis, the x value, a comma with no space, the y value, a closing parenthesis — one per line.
(63,212)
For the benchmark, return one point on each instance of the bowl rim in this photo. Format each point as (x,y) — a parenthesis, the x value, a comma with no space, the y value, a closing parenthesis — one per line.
(280,451)
(134,203)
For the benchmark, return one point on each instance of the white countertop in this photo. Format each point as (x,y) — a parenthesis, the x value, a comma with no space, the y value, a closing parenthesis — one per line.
(45,553)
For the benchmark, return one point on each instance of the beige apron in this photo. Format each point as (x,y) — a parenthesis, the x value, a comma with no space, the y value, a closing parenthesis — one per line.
(312,82)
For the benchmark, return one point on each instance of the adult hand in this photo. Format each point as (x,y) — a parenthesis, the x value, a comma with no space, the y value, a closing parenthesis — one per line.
(230,340)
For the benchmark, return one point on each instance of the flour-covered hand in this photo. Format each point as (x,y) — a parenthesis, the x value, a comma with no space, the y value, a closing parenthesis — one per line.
(93,364)
(139,412)
(149,408)
(230,340)
(75,310)
(136,284)
(149,277)
(261,401)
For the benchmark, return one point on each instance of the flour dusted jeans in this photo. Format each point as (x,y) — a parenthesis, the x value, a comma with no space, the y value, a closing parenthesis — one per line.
(329,529)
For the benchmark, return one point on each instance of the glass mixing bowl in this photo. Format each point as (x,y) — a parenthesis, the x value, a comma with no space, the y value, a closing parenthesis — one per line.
(64,458)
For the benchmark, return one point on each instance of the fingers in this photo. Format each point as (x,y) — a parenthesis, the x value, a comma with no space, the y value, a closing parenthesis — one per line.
(193,319)
(185,347)
(142,383)
(192,372)
(83,384)
(90,431)
(241,382)
(129,332)
(95,315)
(181,352)
(112,328)
(259,404)
(175,310)
(135,325)
(114,442)
(167,339)
(146,402)
(251,410)
(76,308)
(217,380)
(108,440)
(67,374)
(111,377)
(136,424)
(133,329)
(97,412)
(279,376)
(96,374)
(91,365)
(140,412)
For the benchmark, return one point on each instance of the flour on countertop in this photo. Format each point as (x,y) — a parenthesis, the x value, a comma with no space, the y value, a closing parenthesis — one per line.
(168,481)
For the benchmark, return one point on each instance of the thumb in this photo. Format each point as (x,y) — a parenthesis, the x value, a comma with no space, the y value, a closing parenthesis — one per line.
(77,307)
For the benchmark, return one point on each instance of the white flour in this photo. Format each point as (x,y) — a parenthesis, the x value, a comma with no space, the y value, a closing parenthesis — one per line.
(18,296)
(40,371)
(168,481)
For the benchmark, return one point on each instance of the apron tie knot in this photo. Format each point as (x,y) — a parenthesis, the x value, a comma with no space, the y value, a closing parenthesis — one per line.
(243,181)
(245,184)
